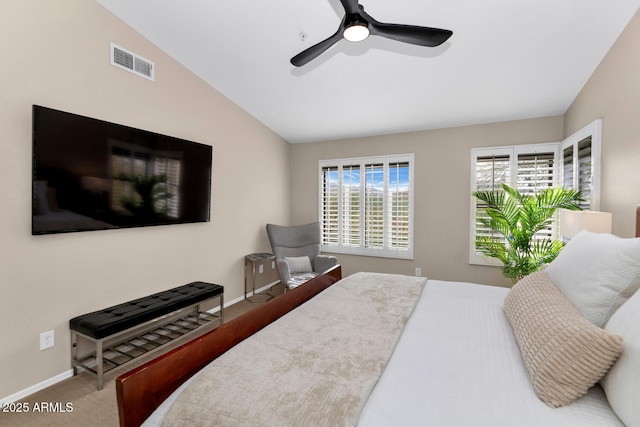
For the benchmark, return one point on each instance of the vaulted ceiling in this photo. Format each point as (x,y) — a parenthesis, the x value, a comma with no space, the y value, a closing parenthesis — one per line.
(506,60)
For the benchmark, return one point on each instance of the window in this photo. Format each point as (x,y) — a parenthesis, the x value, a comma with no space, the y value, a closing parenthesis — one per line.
(366,206)
(529,168)
(573,163)
(581,163)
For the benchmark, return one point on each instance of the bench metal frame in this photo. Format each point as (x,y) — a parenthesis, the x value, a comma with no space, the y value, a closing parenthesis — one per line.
(165,328)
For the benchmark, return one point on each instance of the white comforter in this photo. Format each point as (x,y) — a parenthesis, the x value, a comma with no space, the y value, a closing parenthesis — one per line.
(458,364)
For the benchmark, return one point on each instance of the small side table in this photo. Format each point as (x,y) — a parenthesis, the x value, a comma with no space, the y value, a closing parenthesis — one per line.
(259,270)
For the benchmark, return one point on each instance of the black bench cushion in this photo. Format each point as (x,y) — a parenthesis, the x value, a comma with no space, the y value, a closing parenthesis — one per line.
(109,321)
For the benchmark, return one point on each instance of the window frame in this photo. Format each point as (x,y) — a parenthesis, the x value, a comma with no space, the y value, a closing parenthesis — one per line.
(359,249)
(593,130)
(513,152)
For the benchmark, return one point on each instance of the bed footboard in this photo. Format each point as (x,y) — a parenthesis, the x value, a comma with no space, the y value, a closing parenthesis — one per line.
(141,390)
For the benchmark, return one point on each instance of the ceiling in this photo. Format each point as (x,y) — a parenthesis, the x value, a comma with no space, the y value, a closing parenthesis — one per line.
(506,60)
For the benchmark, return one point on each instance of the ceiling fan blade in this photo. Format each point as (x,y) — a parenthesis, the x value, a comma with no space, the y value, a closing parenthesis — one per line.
(350,6)
(423,36)
(314,51)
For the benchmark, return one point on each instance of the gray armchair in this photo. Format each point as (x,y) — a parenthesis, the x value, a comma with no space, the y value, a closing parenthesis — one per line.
(297,252)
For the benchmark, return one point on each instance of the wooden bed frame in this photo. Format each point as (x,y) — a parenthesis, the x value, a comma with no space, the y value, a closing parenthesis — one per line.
(141,390)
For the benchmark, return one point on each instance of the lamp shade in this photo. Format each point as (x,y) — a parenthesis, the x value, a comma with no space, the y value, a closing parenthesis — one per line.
(572,222)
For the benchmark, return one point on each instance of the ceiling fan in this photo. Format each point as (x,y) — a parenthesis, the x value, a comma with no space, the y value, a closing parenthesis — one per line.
(357,25)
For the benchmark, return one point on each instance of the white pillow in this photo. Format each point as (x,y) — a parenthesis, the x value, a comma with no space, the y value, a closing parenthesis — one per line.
(622,383)
(300,264)
(597,273)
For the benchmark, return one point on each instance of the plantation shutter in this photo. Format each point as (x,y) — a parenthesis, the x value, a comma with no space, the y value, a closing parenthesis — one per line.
(581,160)
(529,169)
(351,229)
(577,170)
(491,172)
(366,206)
(329,205)
(374,206)
(574,163)
(398,201)
(585,171)
(567,168)
(536,173)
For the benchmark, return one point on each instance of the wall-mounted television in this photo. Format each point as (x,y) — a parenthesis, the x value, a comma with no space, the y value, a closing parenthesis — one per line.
(90,174)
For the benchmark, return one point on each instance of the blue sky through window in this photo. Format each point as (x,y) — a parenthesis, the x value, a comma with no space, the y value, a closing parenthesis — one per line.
(398,177)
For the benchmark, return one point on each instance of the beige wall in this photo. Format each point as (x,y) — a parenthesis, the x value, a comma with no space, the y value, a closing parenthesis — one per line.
(442,191)
(56,54)
(613,94)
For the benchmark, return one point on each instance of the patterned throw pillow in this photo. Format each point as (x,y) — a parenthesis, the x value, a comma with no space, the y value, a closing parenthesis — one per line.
(564,353)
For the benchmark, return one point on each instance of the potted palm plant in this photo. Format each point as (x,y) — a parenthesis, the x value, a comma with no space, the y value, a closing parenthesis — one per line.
(515,220)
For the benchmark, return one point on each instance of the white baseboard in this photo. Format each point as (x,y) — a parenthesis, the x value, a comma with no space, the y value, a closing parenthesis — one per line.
(68,374)
(37,387)
(226,304)
(240,298)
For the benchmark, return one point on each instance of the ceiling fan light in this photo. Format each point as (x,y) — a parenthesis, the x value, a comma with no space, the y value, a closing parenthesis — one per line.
(356,32)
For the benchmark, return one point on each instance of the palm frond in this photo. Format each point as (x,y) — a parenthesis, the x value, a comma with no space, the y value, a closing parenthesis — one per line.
(517,218)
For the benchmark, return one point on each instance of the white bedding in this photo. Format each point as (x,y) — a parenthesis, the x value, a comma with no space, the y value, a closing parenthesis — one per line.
(457,363)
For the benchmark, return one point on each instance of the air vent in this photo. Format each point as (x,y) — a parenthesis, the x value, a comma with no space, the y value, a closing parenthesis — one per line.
(131,62)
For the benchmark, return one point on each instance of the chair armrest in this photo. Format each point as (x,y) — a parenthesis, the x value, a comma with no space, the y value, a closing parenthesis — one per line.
(322,263)
(283,271)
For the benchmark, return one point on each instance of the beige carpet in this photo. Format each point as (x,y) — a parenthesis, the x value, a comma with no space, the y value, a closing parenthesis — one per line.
(92,407)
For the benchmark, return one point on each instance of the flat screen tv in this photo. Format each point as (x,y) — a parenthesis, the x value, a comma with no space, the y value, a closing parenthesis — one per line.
(89,174)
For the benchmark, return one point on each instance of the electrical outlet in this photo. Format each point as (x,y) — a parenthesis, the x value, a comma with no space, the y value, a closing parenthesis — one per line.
(260,269)
(47,340)
(418,272)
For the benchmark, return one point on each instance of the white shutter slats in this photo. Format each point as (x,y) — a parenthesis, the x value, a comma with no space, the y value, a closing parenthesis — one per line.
(529,171)
(535,172)
(574,163)
(491,173)
(567,167)
(374,206)
(329,204)
(584,169)
(577,171)
(366,206)
(398,201)
(350,205)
